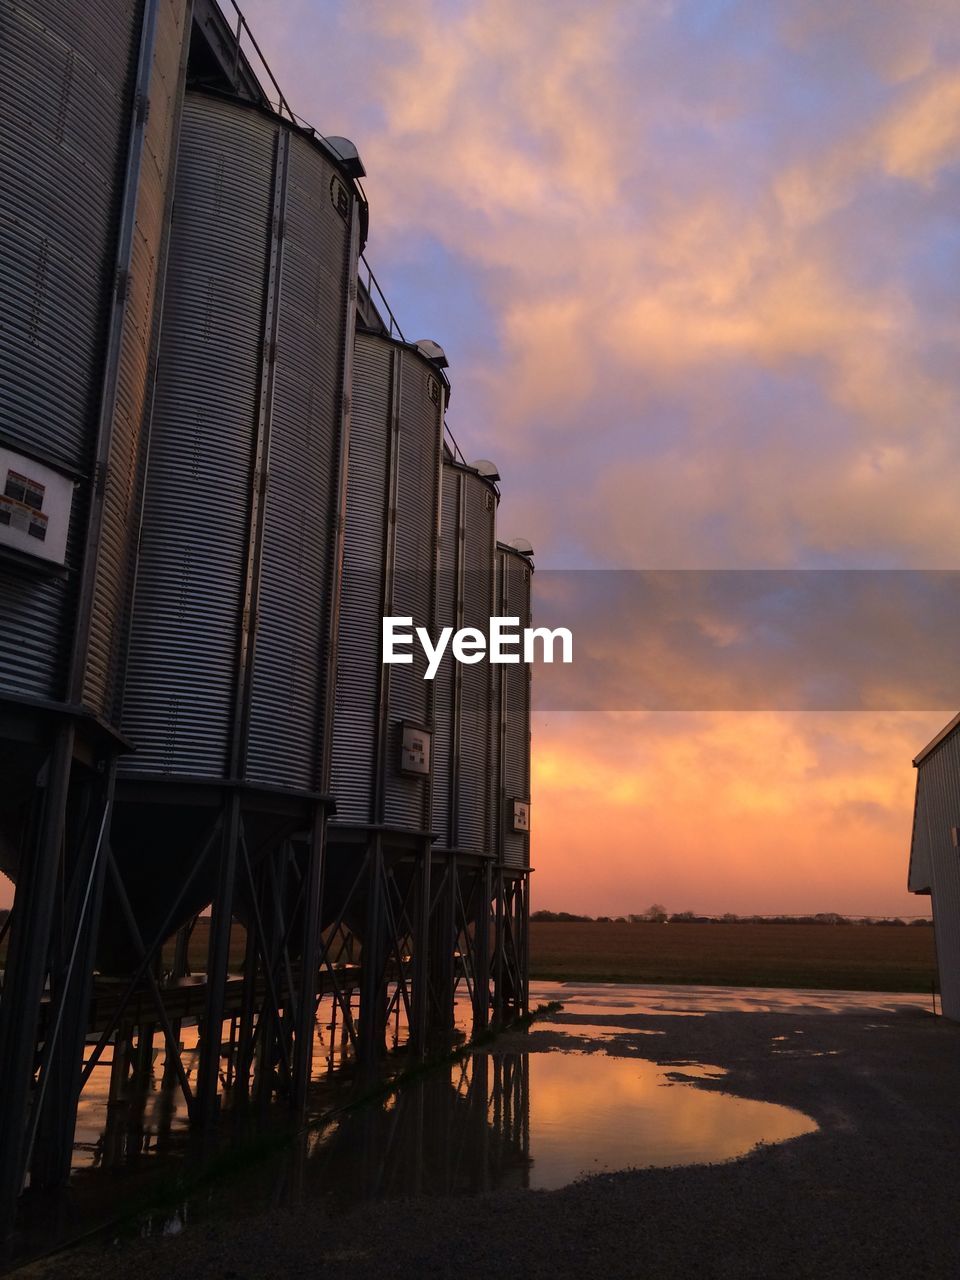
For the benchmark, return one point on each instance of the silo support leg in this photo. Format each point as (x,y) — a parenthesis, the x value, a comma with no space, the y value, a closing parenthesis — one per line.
(421,957)
(339,942)
(511,963)
(511,952)
(481,942)
(372,974)
(498,950)
(525,944)
(399,915)
(149,953)
(269,1023)
(218,959)
(146,959)
(472,892)
(306,1010)
(443,943)
(26,973)
(50,1144)
(246,1032)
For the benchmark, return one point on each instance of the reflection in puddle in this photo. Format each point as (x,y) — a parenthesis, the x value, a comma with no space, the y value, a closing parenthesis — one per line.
(497,1119)
(512,1119)
(456,1132)
(507,1120)
(593,1113)
(541,1120)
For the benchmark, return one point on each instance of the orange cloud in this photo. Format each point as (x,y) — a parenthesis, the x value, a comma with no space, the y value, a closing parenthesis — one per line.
(745,811)
(711,261)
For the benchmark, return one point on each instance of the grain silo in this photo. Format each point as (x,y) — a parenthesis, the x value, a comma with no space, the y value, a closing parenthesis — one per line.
(90,96)
(935,853)
(234,622)
(378,853)
(465,794)
(179,293)
(512,870)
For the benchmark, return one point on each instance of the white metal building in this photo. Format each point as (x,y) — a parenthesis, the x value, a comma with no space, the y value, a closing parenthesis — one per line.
(935,853)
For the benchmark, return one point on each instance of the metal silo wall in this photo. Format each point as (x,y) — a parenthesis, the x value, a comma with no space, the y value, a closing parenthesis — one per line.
(514,602)
(66,75)
(398,472)
(289,666)
(356,715)
(179,701)
(476,783)
(464,754)
(419,458)
(445,684)
(940,798)
(116,552)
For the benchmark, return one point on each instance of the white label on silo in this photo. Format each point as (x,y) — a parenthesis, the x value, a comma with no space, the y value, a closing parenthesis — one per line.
(414,750)
(521,815)
(35,504)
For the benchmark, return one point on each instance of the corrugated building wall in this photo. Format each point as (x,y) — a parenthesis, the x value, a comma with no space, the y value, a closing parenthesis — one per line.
(935,856)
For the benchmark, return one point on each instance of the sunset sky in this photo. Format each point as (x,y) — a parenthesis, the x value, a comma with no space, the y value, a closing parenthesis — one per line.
(695,265)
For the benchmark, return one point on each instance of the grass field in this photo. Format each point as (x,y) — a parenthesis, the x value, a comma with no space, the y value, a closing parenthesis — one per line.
(841,957)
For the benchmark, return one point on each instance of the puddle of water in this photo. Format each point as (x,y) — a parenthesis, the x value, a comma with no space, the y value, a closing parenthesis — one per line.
(593,999)
(591,1030)
(541,1120)
(594,1113)
(495,1120)
(608,1091)
(512,1120)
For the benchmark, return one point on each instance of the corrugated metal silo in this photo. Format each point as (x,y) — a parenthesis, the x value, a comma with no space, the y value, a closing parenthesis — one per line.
(83,184)
(512,872)
(389,569)
(465,776)
(234,622)
(235,590)
(464,810)
(234,614)
(90,95)
(514,570)
(378,845)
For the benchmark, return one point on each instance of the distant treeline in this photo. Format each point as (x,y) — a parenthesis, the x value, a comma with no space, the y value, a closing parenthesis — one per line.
(659,916)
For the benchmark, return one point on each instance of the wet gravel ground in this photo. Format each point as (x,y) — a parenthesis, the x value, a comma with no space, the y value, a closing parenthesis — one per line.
(875,1192)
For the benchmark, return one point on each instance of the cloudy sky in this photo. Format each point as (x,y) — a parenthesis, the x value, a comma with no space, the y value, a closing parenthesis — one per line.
(695,265)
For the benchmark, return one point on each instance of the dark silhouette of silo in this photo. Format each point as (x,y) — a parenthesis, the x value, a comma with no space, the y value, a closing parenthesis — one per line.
(91,96)
(378,855)
(512,869)
(465,798)
(234,624)
(174,427)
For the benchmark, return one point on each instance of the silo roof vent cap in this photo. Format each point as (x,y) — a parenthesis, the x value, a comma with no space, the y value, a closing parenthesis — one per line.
(486,468)
(348,155)
(432,351)
(522,546)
